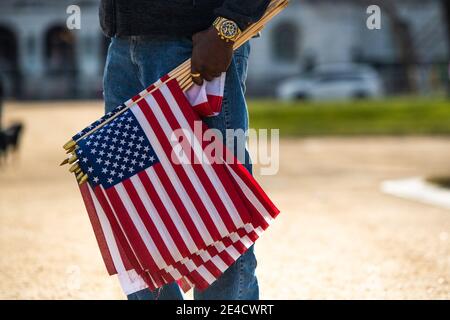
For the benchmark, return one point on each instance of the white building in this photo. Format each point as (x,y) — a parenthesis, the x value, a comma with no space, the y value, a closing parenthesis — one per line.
(319,31)
(40,58)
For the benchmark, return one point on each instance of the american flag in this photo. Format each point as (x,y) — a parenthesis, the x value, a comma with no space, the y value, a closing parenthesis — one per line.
(157,212)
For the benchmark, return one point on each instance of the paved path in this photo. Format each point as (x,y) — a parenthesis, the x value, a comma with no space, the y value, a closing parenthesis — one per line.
(338,235)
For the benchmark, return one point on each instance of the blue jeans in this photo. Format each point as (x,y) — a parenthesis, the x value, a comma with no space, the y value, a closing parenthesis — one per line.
(132,64)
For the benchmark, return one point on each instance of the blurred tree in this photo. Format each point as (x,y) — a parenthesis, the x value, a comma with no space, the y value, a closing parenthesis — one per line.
(1,103)
(402,37)
(446,11)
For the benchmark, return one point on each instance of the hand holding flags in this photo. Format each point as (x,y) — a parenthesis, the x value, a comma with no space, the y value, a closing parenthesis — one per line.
(154,211)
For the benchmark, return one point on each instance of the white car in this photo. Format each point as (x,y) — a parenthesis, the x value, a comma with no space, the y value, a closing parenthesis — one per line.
(334,81)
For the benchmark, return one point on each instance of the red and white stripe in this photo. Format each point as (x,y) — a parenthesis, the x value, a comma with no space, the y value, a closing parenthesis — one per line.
(185,222)
(206,99)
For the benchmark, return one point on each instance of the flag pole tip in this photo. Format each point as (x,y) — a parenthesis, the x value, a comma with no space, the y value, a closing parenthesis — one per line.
(74,167)
(73,159)
(83,179)
(69,144)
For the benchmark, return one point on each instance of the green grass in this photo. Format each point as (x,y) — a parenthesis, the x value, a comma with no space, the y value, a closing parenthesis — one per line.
(396,116)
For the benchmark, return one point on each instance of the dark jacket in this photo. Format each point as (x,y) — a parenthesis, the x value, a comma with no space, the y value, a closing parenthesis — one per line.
(174,17)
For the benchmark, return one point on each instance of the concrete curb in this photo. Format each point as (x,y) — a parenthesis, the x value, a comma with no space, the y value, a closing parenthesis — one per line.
(417,188)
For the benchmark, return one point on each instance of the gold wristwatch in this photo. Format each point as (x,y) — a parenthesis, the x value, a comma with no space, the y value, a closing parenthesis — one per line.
(227,30)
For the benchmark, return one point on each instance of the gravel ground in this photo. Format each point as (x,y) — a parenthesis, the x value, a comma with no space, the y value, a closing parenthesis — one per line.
(338,236)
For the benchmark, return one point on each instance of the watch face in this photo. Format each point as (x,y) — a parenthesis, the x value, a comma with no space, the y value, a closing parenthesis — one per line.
(229,29)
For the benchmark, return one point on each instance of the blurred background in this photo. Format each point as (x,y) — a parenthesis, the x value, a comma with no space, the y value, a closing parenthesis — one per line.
(317,41)
(364,119)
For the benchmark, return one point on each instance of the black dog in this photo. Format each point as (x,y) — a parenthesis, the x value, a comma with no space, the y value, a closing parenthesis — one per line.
(13,134)
(10,139)
(3,146)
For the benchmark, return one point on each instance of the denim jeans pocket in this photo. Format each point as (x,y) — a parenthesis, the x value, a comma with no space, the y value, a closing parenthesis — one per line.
(240,58)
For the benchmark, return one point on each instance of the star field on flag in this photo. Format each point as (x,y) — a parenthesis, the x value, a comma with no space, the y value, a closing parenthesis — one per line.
(117,151)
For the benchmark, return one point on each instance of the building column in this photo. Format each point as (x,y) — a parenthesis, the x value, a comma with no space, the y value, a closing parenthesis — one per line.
(88,55)
(31,60)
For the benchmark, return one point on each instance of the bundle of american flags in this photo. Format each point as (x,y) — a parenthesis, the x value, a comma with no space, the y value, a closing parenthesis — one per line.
(164,210)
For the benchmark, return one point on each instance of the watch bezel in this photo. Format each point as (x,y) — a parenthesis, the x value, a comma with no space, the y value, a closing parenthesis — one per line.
(220,22)
(223,29)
